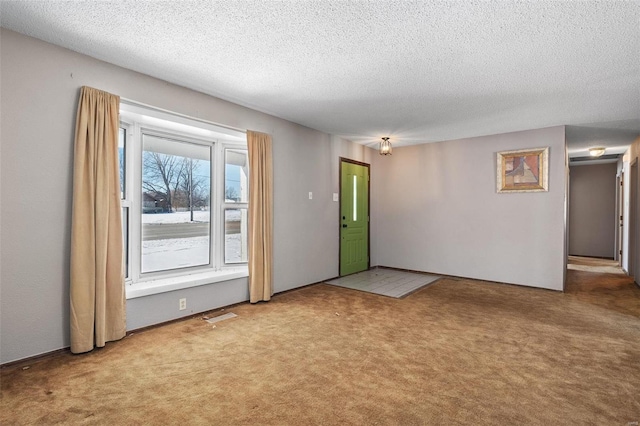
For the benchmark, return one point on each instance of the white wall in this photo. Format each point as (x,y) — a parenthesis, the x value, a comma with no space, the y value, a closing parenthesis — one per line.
(625,210)
(40,88)
(592,197)
(437,211)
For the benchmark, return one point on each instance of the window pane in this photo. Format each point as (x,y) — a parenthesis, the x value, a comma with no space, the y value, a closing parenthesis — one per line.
(176,183)
(235,235)
(236,176)
(125,240)
(122,141)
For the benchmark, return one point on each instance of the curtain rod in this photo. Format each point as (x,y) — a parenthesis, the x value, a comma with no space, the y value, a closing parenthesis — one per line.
(140,104)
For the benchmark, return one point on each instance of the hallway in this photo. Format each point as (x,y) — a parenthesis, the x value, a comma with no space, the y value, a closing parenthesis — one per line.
(601,282)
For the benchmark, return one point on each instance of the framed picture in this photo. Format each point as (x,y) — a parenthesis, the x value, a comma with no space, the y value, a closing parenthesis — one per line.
(525,170)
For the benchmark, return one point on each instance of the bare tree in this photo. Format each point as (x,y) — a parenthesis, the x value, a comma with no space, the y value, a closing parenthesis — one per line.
(194,185)
(230,193)
(122,170)
(162,174)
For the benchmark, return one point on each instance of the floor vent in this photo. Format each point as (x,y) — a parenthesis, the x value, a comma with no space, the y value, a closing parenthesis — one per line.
(221,318)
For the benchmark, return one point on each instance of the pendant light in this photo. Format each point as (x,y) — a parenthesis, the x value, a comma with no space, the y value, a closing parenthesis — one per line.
(385,146)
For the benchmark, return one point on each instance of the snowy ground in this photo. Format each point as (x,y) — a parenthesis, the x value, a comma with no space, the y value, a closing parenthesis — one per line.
(159,255)
(185,217)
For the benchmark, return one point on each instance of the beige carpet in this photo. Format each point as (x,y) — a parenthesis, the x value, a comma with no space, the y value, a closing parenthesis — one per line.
(458,352)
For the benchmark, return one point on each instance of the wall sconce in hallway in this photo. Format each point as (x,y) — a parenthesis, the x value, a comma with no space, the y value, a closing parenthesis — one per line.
(385,146)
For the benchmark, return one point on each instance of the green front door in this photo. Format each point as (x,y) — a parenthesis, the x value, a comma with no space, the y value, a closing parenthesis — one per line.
(354,217)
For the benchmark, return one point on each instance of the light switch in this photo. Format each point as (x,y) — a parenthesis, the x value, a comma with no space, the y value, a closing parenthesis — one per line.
(311,195)
(335,196)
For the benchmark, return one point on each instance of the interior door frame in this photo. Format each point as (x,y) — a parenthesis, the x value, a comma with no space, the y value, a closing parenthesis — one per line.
(619,222)
(368,166)
(632,247)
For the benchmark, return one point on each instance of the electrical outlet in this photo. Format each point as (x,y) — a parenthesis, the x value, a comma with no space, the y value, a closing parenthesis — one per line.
(183,304)
(311,195)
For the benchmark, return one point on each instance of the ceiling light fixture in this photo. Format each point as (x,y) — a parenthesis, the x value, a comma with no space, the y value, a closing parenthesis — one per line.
(597,151)
(385,147)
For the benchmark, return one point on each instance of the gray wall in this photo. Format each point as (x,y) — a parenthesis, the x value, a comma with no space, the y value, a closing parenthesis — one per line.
(40,87)
(631,264)
(592,218)
(437,210)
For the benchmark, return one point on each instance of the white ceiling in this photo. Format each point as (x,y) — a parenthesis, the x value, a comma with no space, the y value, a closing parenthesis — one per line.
(418,71)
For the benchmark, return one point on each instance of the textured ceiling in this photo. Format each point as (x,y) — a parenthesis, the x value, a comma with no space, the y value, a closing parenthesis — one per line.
(413,70)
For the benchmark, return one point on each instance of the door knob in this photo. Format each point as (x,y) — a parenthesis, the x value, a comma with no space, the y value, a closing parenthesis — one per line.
(344,225)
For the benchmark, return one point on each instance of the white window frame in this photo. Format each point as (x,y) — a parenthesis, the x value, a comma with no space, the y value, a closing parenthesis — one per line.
(138,120)
(125,201)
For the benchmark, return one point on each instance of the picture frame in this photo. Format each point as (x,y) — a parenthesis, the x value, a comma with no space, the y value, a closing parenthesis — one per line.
(523,170)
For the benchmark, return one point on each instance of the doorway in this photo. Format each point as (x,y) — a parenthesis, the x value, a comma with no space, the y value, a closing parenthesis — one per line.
(354,216)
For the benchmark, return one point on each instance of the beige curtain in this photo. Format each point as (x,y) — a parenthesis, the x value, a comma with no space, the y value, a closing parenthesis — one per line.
(260,217)
(97,278)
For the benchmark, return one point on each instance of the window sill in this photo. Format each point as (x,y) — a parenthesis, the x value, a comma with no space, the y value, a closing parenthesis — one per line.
(162,285)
